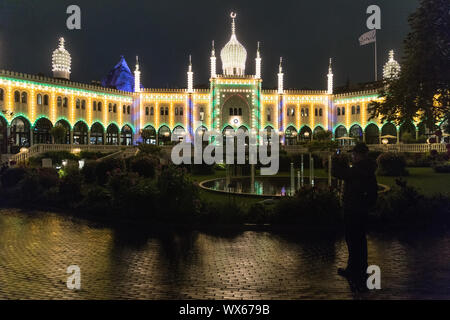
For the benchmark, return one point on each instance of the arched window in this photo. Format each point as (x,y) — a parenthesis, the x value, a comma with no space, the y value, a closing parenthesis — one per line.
(320,112)
(78,103)
(128,109)
(46,100)
(231,111)
(110,107)
(115,108)
(152,112)
(24,97)
(94,105)
(39,99)
(166,111)
(343,111)
(358,109)
(302,112)
(65,102)
(353,109)
(59,101)
(161,111)
(306,112)
(269,114)
(316,112)
(146,111)
(293,112)
(123,109)
(1,94)
(338,111)
(16,96)
(181,111)
(83,104)
(99,106)
(202,114)
(126,136)
(176,111)
(240,111)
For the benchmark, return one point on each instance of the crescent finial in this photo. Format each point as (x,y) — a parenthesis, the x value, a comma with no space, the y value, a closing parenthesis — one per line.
(233,15)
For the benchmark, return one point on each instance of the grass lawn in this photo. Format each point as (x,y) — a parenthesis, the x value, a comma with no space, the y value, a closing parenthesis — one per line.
(424,179)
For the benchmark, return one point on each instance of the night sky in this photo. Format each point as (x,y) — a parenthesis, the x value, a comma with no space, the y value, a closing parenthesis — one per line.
(164,33)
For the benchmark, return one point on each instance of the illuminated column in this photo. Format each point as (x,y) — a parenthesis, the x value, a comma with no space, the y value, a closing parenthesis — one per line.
(32,110)
(190,77)
(72,109)
(281,102)
(190,103)
(297,115)
(137,77)
(52,106)
(213,61)
(258,64)
(330,79)
(311,118)
(89,110)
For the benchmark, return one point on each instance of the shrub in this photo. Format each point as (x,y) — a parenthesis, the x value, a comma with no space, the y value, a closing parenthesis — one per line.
(391,164)
(59,134)
(58,156)
(145,166)
(12,176)
(150,149)
(106,166)
(70,186)
(92,155)
(89,171)
(309,207)
(442,167)
(48,177)
(98,200)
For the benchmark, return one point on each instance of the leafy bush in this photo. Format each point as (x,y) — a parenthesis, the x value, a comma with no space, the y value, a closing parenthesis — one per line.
(442,167)
(106,166)
(89,171)
(59,134)
(12,176)
(92,155)
(145,165)
(48,177)
(392,164)
(70,186)
(310,206)
(149,149)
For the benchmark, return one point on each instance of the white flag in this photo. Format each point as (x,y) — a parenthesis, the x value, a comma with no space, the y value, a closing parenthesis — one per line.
(368,37)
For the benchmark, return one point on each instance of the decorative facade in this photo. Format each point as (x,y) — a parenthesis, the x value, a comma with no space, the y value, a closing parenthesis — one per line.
(93,114)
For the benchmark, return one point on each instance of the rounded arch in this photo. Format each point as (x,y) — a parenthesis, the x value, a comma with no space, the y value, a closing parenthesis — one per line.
(372,134)
(66,125)
(305,133)
(180,132)
(112,134)
(126,135)
(42,131)
(3,135)
(340,132)
(389,129)
(407,131)
(291,136)
(80,133)
(150,138)
(356,132)
(235,110)
(164,135)
(97,131)
(20,133)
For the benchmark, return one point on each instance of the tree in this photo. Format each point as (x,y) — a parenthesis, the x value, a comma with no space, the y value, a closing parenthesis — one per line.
(147,134)
(422,91)
(59,134)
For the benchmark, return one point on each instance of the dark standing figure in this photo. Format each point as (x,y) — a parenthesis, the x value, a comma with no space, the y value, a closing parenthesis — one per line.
(360,195)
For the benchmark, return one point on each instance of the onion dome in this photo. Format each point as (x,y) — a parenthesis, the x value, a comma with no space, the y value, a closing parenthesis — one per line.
(233,55)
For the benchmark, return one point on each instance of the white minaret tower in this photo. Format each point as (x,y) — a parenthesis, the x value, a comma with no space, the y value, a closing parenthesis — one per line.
(258,64)
(190,77)
(137,77)
(330,79)
(61,61)
(280,78)
(391,69)
(213,62)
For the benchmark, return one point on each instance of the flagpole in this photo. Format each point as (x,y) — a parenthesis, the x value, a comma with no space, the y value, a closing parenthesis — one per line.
(376,71)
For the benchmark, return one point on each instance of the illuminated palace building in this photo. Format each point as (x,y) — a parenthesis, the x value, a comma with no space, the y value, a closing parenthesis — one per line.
(116,111)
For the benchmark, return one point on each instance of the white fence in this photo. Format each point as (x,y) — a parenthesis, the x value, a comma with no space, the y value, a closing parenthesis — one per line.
(38,149)
(413,148)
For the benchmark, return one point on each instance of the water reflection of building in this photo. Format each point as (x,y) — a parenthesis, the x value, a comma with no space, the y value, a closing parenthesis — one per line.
(116,111)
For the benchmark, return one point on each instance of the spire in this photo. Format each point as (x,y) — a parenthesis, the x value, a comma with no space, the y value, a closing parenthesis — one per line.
(233,25)
(330,79)
(137,77)
(190,77)
(213,61)
(280,78)
(258,63)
